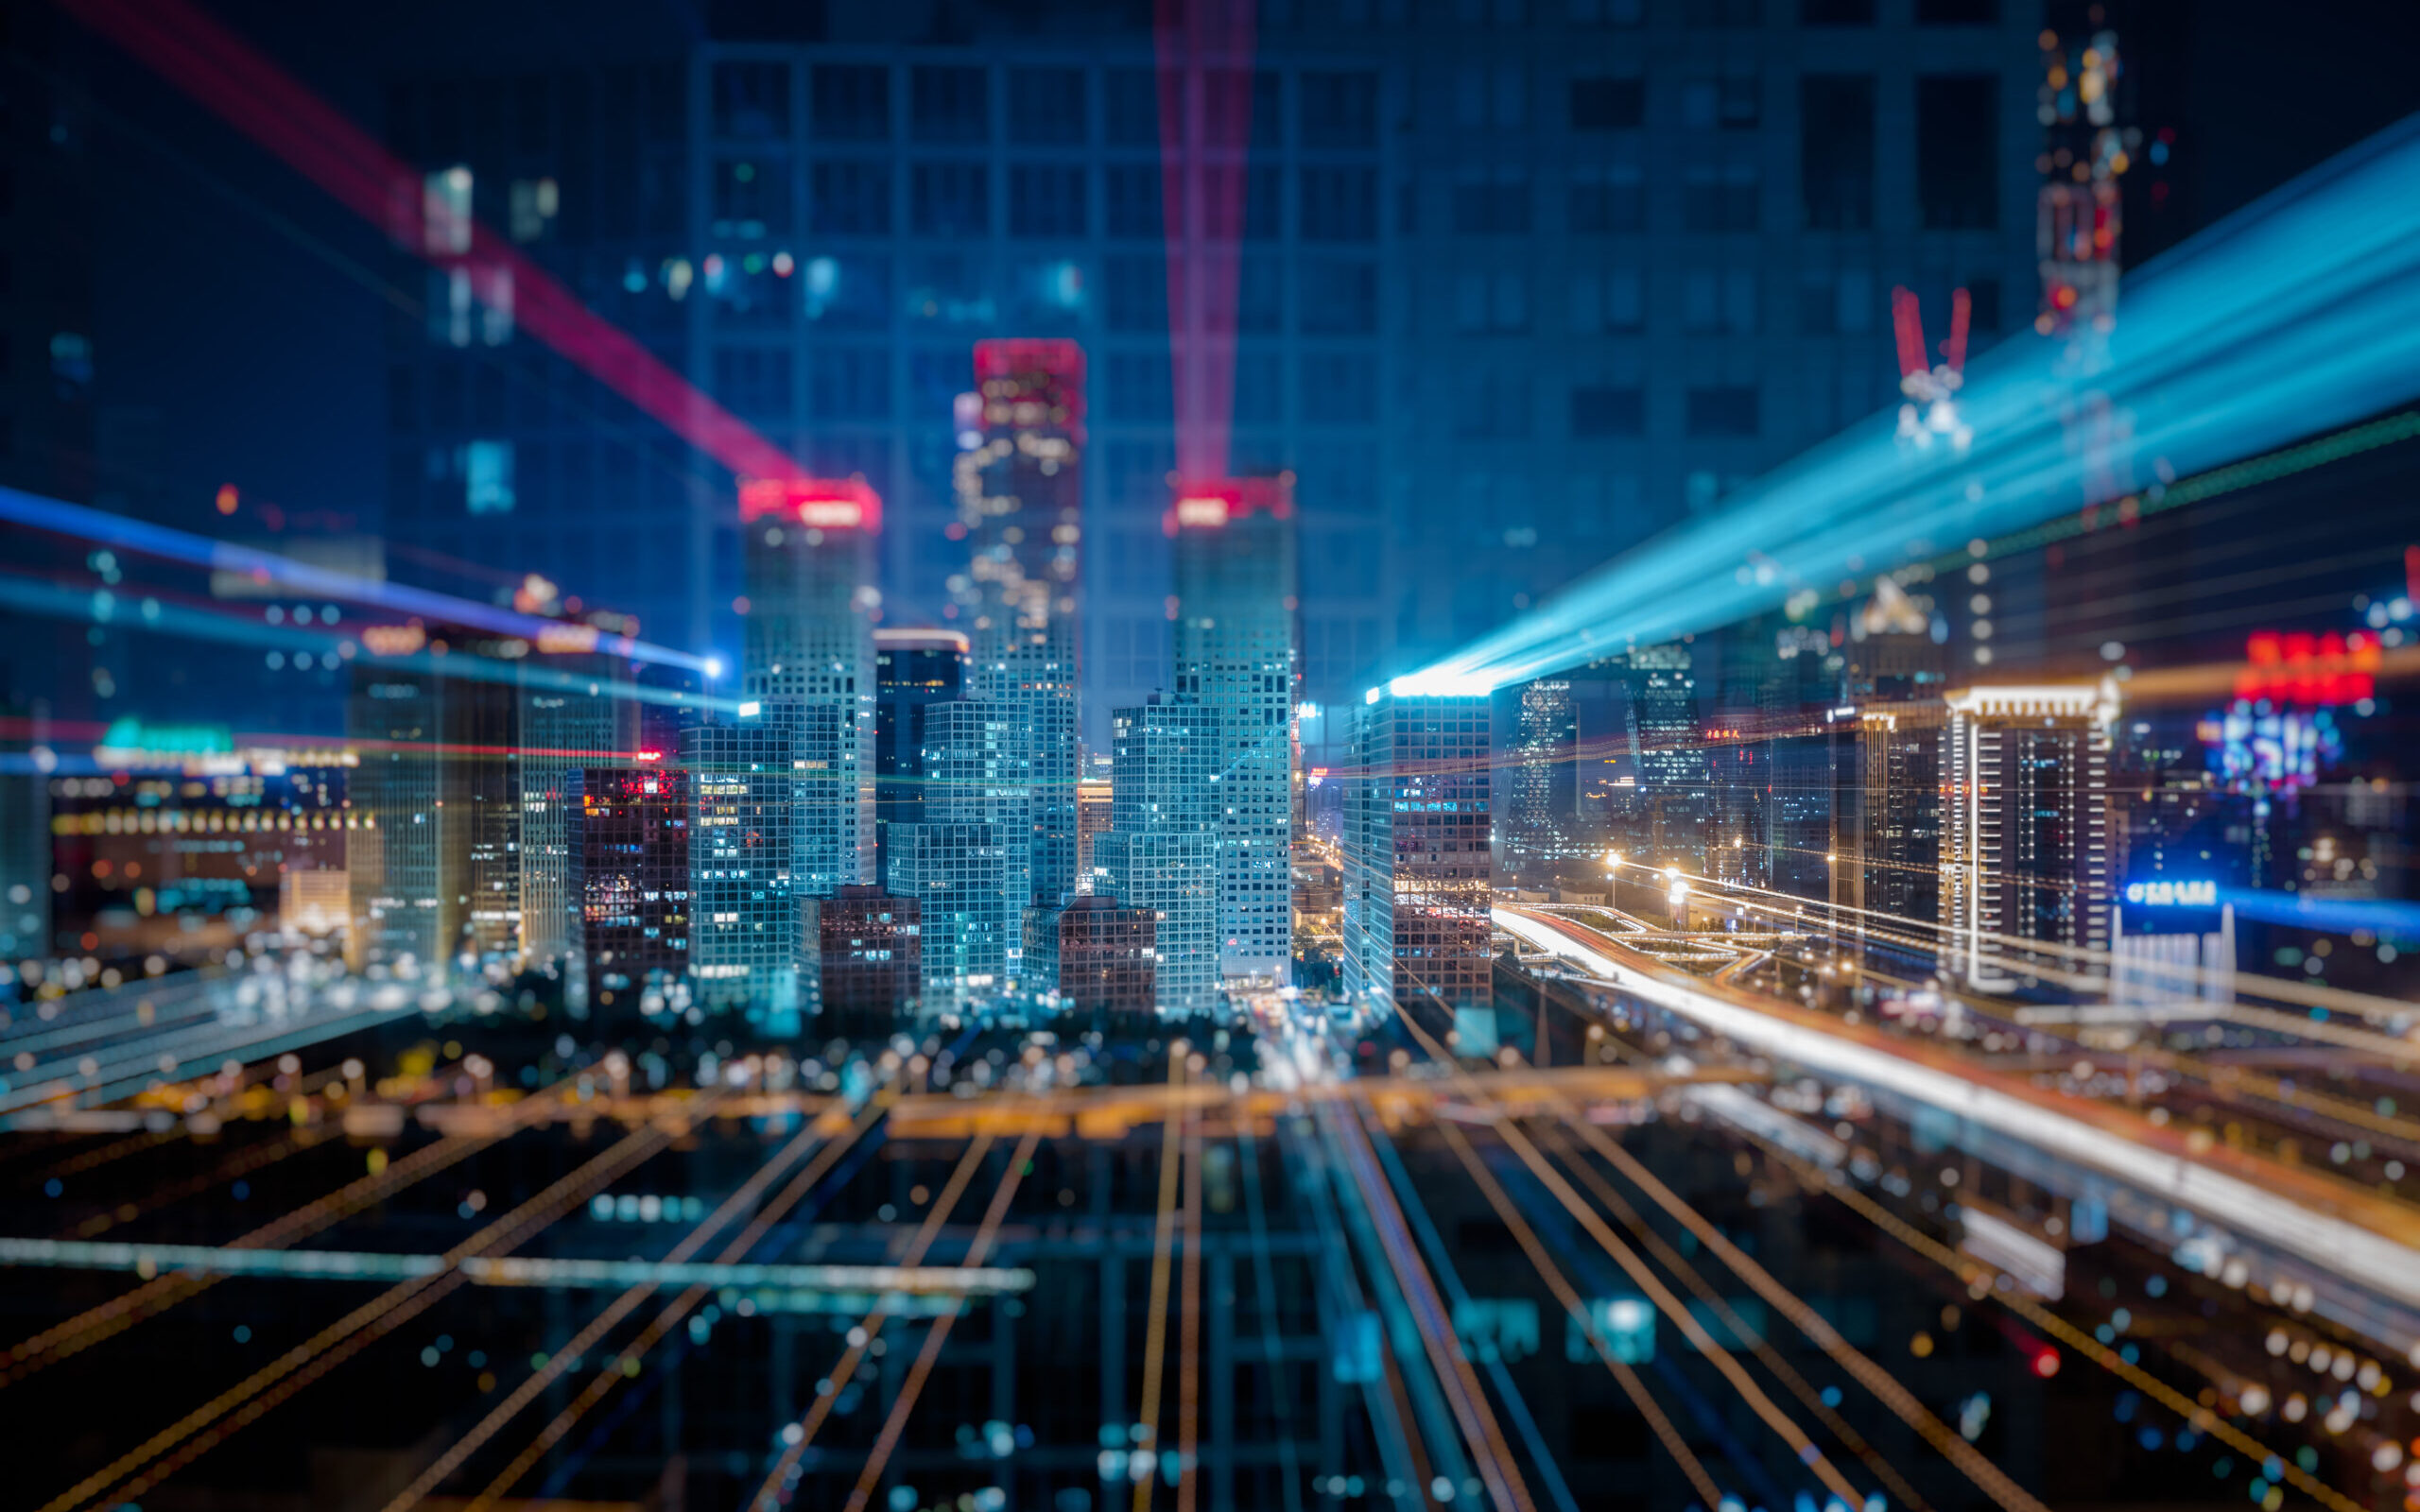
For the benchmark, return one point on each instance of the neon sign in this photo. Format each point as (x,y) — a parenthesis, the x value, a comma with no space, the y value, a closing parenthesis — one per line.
(2173,894)
(818,504)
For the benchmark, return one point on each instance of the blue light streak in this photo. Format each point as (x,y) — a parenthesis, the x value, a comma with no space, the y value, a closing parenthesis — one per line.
(2299,314)
(266,567)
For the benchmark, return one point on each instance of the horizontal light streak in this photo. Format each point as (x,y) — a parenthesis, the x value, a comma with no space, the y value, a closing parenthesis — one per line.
(511,1270)
(2383,1264)
(2215,357)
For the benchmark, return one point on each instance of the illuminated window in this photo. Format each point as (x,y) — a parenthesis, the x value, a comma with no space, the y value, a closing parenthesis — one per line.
(487,478)
(446,211)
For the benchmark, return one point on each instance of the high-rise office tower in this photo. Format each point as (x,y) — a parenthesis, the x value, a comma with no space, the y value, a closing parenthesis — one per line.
(968,861)
(1897,870)
(1417,873)
(1236,657)
(1161,851)
(1093,807)
(1101,957)
(808,565)
(744,945)
(1541,819)
(1675,779)
(572,717)
(1020,491)
(913,668)
(2024,833)
(957,876)
(433,858)
(633,879)
(872,949)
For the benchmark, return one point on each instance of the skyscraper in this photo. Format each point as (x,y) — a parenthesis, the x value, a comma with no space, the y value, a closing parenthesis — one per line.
(809,554)
(872,949)
(1020,491)
(1541,823)
(1417,872)
(1897,870)
(968,861)
(914,669)
(957,875)
(1161,851)
(633,879)
(1236,657)
(1673,776)
(744,945)
(2024,841)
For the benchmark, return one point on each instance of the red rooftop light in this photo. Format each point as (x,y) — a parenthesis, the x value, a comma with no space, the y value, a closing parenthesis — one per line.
(821,504)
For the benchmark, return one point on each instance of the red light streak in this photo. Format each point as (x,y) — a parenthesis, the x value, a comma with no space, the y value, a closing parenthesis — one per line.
(253,94)
(1906,323)
(1204,208)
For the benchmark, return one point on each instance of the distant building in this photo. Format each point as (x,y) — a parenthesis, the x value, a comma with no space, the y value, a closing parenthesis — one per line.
(180,863)
(914,669)
(957,874)
(1020,496)
(807,555)
(1674,777)
(744,947)
(635,879)
(979,769)
(1236,603)
(1540,828)
(871,948)
(1895,874)
(2025,841)
(1161,851)
(1417,873)
(1092,817)
(1105,957)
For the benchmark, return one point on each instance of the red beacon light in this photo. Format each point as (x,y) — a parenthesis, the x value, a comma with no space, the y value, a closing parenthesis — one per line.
(820,504)
(1210,504)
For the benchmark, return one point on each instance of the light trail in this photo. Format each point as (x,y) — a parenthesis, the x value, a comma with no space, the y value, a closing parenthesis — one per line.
(781,1482)
(1155,1333)
(1635,1389)
(1491,1454)
(1885,1387)
(2379,1249)
(895,1423)
(1264,1278)
(1644,1277)
(560,1275)
(252,94)
(1970,1271)
(2213,361)
(160,1293)
(1758,1344)
(268,568)
(681,1306)
(559,1361)
(136,1472)
(1188,1400)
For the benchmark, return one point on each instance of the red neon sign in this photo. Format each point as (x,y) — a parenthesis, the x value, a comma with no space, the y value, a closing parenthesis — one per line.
(2297,667)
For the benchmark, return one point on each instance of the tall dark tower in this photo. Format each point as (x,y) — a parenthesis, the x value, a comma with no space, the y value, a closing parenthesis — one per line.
(1020,496)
